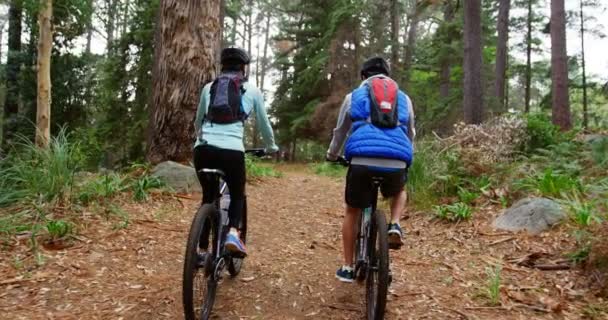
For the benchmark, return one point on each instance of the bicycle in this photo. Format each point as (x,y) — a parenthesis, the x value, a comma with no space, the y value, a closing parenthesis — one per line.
(208,259)
(371,252)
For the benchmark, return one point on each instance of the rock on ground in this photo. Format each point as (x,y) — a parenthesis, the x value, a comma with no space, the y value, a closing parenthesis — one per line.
(180,177)
(533,215)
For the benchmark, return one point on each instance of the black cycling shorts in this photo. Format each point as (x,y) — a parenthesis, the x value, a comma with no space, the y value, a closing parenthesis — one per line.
(359,184)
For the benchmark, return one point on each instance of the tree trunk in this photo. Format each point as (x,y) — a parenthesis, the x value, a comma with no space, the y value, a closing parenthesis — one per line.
(473,97)
(1,36)
(233,31)
(265,55)
(409,48)
(250,32)
(110,24)
(502,51)
(89,39)
(528,58)
(222,19)
(45,43)
(125,19)
(583,63)
(13,66)
(395,19)
(188,37)
(559,67)
(446,63)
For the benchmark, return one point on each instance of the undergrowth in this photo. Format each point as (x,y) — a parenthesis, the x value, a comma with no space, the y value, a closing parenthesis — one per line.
(328,169)
(36,184)
(455,212)
(256,168)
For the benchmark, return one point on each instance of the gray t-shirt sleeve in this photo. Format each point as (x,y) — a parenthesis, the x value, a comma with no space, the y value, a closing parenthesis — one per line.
(340,133)
(411,126)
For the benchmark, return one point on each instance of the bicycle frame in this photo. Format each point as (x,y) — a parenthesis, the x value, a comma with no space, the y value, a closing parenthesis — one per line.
(365,227)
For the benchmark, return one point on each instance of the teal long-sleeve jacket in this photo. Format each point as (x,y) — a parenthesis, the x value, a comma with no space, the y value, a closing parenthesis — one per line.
(230,136)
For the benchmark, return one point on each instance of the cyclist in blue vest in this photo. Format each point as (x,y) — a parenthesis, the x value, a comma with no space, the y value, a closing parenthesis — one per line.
(373,147)
(225,105)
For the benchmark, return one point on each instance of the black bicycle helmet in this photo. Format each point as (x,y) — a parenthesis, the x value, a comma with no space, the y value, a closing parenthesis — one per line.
(375,65)
(234,56)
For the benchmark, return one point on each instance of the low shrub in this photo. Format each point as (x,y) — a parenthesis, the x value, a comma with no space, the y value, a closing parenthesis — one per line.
(454,212)
(257,169)
(329,169)
(100,188)
(35,175)
(549,183)
(599,151)
(540,132)
(59,229)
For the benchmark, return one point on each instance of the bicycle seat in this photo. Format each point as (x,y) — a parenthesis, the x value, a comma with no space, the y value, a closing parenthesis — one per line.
(213,171)
(377,180)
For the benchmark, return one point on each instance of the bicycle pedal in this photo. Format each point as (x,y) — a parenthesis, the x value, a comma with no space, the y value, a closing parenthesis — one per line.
(238,255)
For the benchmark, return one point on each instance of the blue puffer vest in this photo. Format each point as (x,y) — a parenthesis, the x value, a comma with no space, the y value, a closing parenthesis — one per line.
(367,140)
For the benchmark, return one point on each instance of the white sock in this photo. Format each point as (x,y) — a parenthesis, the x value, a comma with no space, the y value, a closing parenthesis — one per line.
(347,268)
(234,231)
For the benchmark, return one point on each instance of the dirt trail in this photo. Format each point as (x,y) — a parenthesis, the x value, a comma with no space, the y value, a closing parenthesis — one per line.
(294,246)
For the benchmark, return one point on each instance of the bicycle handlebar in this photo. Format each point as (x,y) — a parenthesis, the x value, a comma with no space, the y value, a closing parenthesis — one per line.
(341,161)
(257,152)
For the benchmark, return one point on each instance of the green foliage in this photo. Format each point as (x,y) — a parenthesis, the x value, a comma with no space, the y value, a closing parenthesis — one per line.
(564,157)
(466,196)
(580,255)
(116,211)
(143,184)
(454,212)
(549,183)
(14,222)
(492,288)
(582,212)
(421,176)
(541,132)
(310,26)
(595,311)
(599,151)
(329,169)
(437,172)
(101,188)
(257,169)
(36,175)
(584,240)
(59,229)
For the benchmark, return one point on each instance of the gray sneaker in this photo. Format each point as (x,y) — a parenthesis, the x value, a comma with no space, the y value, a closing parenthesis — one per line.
(395,236)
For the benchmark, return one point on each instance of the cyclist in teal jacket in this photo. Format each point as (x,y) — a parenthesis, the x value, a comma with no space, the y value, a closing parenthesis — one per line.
(220,145)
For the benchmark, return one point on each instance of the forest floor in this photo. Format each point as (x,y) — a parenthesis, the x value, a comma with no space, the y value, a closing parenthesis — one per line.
(134,271)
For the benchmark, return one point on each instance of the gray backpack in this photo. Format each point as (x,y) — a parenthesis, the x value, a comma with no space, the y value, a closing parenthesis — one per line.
(226,103)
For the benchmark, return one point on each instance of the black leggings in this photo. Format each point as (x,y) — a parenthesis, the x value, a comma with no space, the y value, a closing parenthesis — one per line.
(232,163)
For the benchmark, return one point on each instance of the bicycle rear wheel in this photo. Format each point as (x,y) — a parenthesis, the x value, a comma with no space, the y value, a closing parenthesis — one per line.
(199,286)
(377,275)
(234,267)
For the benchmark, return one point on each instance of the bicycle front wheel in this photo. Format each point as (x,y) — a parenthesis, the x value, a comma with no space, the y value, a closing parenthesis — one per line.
(377,275)
(199,285)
